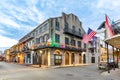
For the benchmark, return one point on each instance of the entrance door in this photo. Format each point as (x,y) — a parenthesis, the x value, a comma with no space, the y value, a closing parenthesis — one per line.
(66,58)
(57,59)
(84,58)
(80,58)
(72,58)
(92,59)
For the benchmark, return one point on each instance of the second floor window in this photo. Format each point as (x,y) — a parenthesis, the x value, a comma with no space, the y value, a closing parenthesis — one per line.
(43,38)
(79,43)
(66,40)
(36,32)
(66,26)
(79,31)
(40,30)
(57,38)
(73,42)
(73,29)
(37,40)
(84,45)
(57,26)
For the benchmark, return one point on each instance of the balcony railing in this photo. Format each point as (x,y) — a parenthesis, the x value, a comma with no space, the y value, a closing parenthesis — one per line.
(47,45)
(13,51)
(56,45)
(73,33)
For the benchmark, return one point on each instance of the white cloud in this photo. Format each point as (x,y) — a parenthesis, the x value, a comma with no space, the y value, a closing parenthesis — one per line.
(2,31)
(102,7)
(108,4)
(33,13)
(26,14)
(5,32)
(6,20)
(6,41)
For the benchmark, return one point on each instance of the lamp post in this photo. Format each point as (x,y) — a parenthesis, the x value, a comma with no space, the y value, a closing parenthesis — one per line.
(40,61)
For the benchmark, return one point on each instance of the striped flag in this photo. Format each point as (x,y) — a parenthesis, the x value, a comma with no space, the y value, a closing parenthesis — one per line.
(85,40)
(108,26)
(87,37)
(91,33)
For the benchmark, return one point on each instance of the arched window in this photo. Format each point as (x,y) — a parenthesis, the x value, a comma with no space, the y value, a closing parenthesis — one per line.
(73,29)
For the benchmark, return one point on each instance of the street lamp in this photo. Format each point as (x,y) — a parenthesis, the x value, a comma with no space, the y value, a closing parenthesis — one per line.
(40,60)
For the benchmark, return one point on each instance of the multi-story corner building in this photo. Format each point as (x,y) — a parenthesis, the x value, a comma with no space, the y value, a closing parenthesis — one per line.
(57,41)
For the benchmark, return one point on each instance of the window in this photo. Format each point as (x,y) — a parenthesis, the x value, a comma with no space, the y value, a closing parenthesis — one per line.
(46,37)
(66,26)
(79,43)
(33,34)
(79,31)
(46,26)
(57,38)
(42,39)
(36,32)
(73,42)
(57,27)
(40,30)
(32,41)
(92,51)
(66,40)
(37,40)
(84,45)
(73,29)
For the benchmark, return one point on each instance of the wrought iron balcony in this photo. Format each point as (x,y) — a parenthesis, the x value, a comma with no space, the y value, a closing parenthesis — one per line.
(73,33)
(40,45)
(59,46)
(75,48)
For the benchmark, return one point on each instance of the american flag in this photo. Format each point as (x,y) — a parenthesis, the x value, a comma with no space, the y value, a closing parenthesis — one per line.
(85,40)
(87,37)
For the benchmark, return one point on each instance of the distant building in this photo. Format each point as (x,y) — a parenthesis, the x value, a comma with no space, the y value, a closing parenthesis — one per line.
(1,56)
(112,42)
(7,55)
(116,27)
(94,51)
(0,53)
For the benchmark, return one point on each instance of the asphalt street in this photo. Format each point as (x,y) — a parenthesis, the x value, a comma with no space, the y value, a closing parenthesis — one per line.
(11,71)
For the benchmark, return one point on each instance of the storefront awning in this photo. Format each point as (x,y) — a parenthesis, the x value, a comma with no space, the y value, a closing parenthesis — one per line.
(114,41)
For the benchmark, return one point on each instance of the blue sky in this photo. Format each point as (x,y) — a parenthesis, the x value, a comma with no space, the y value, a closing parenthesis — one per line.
(18,17)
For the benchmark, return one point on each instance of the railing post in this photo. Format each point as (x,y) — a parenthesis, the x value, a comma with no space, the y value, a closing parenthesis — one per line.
(108,66)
